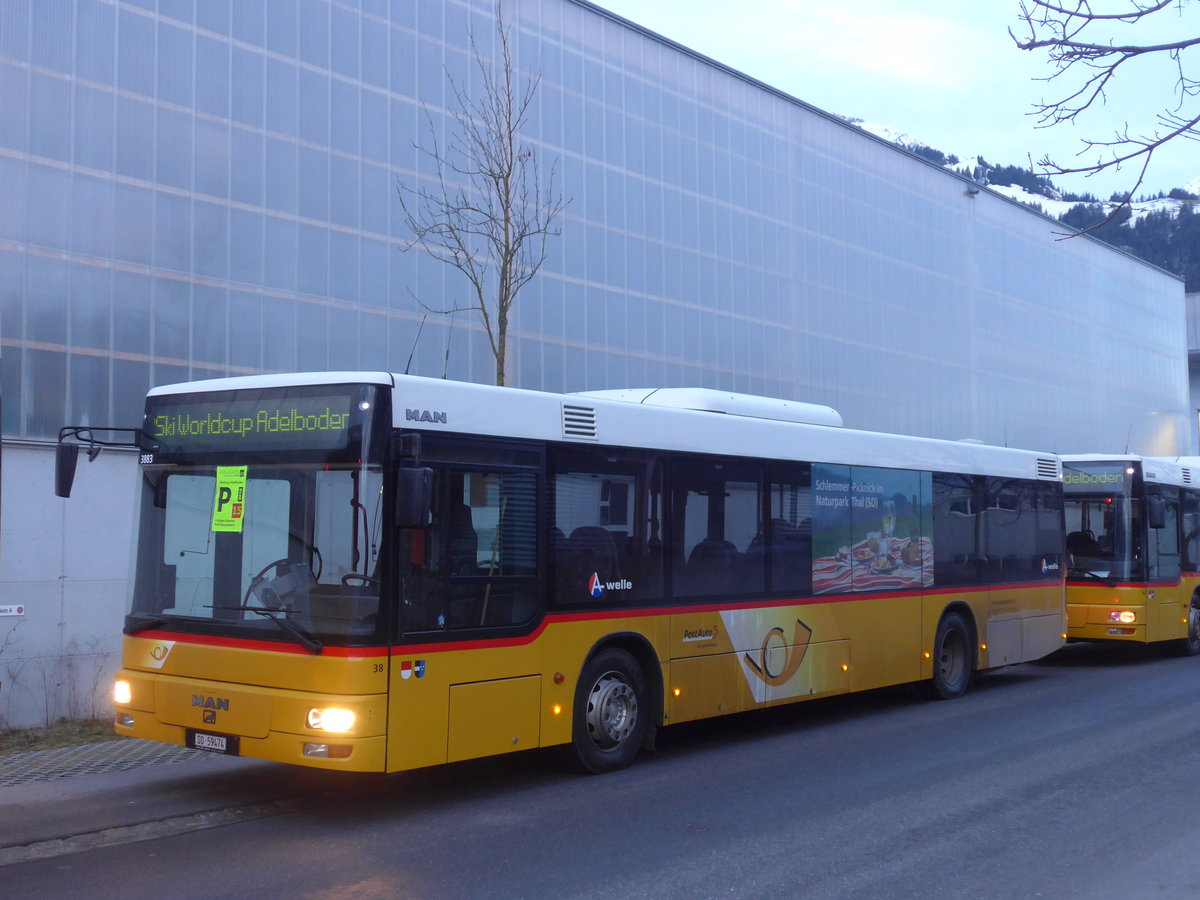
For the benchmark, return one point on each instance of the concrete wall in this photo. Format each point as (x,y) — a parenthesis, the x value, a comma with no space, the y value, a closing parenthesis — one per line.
(63,571)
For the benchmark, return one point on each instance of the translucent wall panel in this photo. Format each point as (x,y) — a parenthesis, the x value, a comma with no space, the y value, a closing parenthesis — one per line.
(196,189)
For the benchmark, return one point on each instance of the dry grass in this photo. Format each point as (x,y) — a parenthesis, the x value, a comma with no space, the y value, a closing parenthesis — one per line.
(63,733)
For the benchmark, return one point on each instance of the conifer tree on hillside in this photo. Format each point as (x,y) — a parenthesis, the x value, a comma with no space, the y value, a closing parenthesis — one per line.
(1092,44)
(1168,239)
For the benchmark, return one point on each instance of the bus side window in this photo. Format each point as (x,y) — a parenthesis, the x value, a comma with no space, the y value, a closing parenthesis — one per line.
(476,564)
(1008,529)
(716,510)
(1189,504)
(605,535)
(1049,532)
(788,541)
(958,554)
(1020,531)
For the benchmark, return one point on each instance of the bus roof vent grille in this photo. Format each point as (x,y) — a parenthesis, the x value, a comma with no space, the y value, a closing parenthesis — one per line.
(1047,468)
(579,422)
(1187,475)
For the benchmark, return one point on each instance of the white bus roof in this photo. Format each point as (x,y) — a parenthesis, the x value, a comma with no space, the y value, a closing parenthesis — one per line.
(726,424)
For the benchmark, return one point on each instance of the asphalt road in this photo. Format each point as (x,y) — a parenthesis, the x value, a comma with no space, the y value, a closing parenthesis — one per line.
(1075,777)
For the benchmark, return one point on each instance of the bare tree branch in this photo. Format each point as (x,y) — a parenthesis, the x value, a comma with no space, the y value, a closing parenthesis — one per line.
(489,210)
(1089,68)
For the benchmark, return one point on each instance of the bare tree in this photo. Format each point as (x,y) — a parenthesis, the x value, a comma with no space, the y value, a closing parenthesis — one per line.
(1078,37)
(487,210)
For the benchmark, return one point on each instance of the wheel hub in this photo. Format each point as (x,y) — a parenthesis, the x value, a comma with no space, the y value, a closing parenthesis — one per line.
(611,711)
(951,657)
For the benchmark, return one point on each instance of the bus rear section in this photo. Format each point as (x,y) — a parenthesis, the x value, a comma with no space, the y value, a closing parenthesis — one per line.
(1133,547)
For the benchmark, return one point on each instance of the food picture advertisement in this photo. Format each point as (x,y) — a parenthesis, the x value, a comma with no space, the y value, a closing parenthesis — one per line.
(871,529)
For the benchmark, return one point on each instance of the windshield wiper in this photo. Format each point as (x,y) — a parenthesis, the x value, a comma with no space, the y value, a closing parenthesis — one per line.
(147,624)
(303,638)
(1088,573)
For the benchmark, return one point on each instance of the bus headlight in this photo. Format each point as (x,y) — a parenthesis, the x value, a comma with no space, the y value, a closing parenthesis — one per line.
(1125,616)
(333,719)
(122,693)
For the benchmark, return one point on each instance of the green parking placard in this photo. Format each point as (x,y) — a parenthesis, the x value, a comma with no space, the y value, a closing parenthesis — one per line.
(229,502)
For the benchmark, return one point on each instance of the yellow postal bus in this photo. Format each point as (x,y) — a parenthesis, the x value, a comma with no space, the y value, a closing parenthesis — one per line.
(374,572)
(1133,545)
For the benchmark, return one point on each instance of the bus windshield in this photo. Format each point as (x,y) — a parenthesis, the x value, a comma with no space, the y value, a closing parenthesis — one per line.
(1101,538)
(1102,520)
(251,525)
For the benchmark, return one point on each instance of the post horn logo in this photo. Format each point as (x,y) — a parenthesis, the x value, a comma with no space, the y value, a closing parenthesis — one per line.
(778,661)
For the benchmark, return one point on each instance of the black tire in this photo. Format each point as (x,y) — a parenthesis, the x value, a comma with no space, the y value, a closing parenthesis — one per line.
(1191,643)
(953,658)
(611,712)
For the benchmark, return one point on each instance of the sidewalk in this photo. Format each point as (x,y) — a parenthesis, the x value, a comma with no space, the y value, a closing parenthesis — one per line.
(86,759)
(95,795)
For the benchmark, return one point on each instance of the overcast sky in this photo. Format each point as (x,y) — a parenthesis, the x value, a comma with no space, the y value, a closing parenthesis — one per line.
(945,71)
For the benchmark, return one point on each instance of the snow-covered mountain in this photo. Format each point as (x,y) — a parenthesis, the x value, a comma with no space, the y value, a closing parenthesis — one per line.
(1164,231)
(1048,199)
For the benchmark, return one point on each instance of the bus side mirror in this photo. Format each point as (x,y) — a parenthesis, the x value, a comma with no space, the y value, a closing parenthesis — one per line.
(414,490)
(65,458)
(1156,512)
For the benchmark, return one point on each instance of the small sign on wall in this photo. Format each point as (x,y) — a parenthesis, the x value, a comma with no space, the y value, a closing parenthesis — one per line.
(12,610)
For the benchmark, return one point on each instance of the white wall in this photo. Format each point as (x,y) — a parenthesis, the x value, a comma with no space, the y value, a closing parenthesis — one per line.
(65,563)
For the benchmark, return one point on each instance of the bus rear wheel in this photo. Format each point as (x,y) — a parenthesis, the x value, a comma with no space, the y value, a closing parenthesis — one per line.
(1191,643)
(952,658)
(610,717)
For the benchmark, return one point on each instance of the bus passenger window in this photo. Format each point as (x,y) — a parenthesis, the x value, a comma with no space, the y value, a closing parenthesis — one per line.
(1190,520)
(476,564)
(958,550)
(605,533)
(788,541)
(1014,535)
(715,507)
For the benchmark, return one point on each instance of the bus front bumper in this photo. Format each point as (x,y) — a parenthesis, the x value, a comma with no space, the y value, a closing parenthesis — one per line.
(252,722)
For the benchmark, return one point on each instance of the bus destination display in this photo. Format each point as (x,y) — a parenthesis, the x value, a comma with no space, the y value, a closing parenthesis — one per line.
(231,422)
(1110,478)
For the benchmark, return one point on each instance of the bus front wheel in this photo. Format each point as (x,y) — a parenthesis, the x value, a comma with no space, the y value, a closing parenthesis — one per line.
(611,707)
(952,658)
